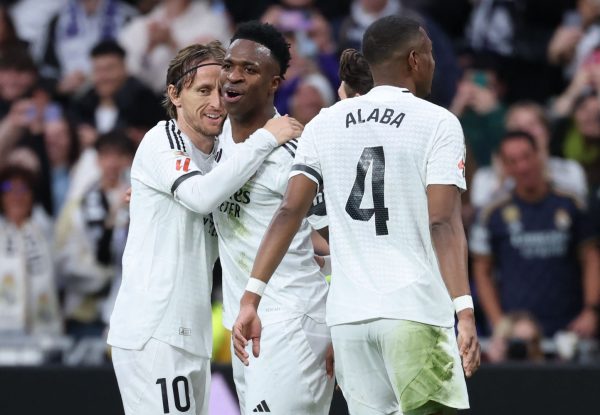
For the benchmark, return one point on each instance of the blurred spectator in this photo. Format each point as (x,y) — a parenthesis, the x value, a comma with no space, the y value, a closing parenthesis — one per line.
(25,106)
(62,149)
(577,123)
(151,41)
(28,291)
(311,45)
(115,99)
(8,35)
(517,32)
(19,79)
(517,337)
(84,238)
(365,12)
(77,27)
(479,108)
(355,74)
(534,250)
(575,40)
(452,16)
(313,94)
(31,19)
(490,183)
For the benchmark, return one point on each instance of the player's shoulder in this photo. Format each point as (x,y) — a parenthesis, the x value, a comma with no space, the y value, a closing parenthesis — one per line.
(436,112)
(284,154)
(164,135)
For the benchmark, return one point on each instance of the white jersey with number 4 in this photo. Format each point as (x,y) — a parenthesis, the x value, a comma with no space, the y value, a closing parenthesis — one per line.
(297,287)
(375,155)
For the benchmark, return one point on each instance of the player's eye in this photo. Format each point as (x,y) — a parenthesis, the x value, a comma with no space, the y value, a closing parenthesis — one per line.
(226,66)
(204,91)
(250,69)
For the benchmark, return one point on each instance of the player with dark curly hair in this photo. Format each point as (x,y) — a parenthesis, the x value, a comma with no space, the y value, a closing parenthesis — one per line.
(355,74)
(290,375)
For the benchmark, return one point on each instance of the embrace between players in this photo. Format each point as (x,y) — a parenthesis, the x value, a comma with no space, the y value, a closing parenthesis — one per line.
(227,164)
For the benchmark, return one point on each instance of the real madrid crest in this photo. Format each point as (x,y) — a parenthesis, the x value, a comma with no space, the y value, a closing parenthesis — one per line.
(562,219)
(512,217)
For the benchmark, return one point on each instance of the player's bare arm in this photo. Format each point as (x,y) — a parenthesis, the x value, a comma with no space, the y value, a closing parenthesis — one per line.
(284,225)
(450,244)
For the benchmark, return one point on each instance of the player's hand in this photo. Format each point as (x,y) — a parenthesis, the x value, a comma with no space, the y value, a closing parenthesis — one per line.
(468,344)
(329,362)
(284,128)
(247,327)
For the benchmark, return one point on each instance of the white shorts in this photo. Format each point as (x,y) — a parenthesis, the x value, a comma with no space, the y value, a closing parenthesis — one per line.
(289,376)
(161,379)
(387,366)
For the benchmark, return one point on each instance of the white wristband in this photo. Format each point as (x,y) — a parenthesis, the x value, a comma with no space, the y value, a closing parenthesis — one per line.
(462,302)
(256,286)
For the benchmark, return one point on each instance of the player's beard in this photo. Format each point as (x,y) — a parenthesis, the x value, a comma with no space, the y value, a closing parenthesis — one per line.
(209,131)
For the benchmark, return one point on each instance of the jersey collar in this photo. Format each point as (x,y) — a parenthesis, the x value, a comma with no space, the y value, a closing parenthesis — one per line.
(388,91)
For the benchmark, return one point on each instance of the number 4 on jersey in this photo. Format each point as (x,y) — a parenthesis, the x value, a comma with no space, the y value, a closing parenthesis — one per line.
(371,156)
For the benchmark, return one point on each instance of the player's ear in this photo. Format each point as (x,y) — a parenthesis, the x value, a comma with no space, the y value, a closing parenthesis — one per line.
(275,82)
(173,96)
(413,60)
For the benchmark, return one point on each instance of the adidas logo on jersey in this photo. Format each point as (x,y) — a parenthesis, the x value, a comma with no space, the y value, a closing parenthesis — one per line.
(262,407)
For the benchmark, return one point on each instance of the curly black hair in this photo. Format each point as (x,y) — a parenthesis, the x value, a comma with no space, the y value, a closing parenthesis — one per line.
(268,36)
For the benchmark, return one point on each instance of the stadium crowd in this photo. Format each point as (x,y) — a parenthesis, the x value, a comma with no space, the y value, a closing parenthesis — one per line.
(81,81)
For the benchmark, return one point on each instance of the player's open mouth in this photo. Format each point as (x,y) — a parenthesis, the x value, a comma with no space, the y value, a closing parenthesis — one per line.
(232,95)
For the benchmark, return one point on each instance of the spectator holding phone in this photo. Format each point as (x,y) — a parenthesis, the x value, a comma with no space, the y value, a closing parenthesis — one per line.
(478,106)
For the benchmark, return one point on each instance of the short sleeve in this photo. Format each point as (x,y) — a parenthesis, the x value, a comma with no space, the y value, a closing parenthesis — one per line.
(446,157)
(165,162)
(583,225)
(317,214)
(479,237)
(306,161)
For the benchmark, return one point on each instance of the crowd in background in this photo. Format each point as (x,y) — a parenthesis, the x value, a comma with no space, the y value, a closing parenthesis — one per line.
(81,81)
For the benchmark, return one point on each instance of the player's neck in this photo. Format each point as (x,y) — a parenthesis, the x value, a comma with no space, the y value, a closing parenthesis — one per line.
(392,78)
(243,127)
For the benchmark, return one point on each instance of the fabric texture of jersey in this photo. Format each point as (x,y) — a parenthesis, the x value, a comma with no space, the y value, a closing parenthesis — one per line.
(172,244)
(535,250)
(375,155)
(297,287)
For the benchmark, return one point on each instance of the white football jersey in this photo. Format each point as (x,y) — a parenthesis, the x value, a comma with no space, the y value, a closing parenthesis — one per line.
(375,155)
(172,243)
(297,287)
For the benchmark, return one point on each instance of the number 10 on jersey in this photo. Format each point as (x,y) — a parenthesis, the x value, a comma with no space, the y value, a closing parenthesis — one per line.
(371,156)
